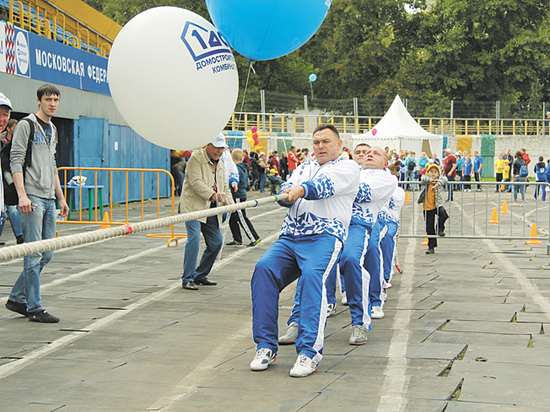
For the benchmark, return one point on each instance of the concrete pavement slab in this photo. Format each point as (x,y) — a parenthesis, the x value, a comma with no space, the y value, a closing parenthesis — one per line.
(190,351)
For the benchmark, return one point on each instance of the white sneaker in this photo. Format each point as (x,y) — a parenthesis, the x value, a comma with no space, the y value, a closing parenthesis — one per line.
(384,295)
(289,337)
(376,312)
(331,309)
(344,298)
(358,335)
(304,366)
(262,359)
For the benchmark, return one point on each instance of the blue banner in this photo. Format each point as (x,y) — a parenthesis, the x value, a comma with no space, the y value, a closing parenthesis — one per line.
(66,65)
(27,54)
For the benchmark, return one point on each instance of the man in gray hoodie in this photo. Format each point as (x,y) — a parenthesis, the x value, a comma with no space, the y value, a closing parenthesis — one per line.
(37,184)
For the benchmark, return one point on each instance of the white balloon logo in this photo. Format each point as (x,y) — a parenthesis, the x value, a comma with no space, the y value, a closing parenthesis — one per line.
(173,77)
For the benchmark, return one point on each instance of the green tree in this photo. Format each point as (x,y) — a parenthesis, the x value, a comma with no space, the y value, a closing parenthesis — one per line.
(480,50)
(358,47)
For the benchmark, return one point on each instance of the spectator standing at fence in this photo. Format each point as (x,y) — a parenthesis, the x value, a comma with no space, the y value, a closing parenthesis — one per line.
(525,156)
(432,205)
(410,168)
(449,171)
(499,170)
(509,159)
(37,187)
(274,162)
(506,178)
(263,168)
(292,160)
(459,162)
(283,163)
(254,171)
(205,186)
(239,217)
(320,197)
(478,166)
(527,161)
(422,163)
(178,172)
(540,171)
(10,207)
(435,159)
(520,172)
(246,161)
(467,171)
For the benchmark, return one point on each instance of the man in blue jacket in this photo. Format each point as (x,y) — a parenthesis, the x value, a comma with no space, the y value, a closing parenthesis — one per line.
(478,165)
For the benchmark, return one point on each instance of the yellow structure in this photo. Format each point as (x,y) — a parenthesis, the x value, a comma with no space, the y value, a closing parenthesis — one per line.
(71,22)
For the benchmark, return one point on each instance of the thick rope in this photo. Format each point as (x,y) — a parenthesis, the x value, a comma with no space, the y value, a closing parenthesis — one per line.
(41,246)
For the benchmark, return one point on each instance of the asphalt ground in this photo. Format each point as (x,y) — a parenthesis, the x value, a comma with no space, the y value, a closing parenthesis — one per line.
(464,330)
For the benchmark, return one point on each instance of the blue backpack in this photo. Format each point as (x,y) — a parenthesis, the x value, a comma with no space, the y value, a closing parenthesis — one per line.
(523,171)
(541,173)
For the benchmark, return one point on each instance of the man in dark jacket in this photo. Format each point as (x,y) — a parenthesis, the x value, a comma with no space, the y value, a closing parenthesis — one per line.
(239,217)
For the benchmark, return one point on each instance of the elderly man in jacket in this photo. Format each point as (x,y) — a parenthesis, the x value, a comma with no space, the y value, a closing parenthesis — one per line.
(205,186)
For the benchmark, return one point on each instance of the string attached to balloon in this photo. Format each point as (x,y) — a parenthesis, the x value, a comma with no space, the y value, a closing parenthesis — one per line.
(250,68)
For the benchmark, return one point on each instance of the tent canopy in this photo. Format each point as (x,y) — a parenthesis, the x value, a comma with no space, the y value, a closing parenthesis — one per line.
(398,130)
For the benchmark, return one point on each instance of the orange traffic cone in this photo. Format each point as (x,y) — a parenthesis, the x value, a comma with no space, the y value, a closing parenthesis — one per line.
(505,208)
(425,242)
(106,221)
(494,217)
(534,239)
(407,199)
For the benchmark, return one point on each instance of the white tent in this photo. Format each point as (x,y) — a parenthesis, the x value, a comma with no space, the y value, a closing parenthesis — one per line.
(398,130)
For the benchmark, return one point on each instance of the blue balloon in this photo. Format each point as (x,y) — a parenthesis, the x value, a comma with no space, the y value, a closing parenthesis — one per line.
(267,29)
(312,77)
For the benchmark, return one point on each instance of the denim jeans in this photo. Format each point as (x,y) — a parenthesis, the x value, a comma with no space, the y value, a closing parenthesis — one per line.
(15,220)
(213,239)
(450,189)
(262,182)
(520,188)
(37,225)
(409,177)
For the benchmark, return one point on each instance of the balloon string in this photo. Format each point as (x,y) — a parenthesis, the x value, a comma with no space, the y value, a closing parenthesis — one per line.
(244,93)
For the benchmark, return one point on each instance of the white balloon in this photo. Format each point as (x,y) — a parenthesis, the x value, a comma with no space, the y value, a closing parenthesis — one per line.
(173,77)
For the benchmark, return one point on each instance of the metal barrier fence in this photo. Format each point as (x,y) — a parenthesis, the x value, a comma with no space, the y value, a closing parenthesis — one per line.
(484,214)
(304,123)
(95,197)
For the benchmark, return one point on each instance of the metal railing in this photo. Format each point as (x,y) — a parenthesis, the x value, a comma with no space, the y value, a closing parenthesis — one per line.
(96,188)
(47,21)
(485,214)
(302,123)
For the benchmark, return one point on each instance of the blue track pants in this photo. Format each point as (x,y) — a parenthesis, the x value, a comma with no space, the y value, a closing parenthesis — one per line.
(314,259)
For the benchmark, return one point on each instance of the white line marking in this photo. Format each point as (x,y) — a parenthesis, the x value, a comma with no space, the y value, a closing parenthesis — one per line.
(396,380)
(203,371)
(29,358)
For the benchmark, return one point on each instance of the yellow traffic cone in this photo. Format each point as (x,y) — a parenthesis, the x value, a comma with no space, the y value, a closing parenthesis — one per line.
(407,199)
(494,217)
(534,239)
(505,208)
(106,221)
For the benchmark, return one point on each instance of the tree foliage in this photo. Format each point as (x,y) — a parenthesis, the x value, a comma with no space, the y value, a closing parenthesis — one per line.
(372,49)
